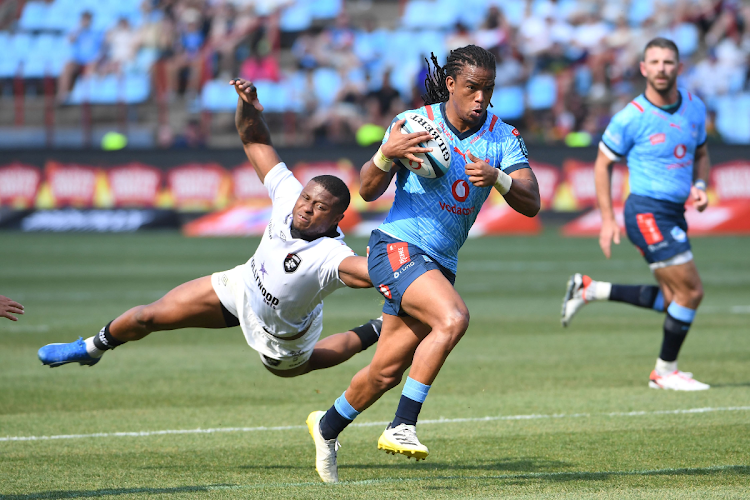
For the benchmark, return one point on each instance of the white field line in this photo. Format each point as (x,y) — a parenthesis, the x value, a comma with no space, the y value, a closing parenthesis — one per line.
(375,424)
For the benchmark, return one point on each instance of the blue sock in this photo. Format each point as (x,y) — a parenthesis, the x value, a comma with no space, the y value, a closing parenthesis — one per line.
(409,406)
(337,418)
(639,295)
(676,327)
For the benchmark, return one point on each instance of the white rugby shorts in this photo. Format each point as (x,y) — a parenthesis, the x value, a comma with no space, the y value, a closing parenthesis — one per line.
(275,352)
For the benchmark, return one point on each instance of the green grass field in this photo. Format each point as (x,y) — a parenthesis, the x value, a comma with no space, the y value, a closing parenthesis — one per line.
(522,409)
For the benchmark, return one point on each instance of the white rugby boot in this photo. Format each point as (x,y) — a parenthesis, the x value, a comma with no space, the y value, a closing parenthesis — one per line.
(575,297)
(676,381)
(325,450)
(402,439)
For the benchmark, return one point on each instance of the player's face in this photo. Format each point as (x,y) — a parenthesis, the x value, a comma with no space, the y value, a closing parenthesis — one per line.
(470,94)
(315,212)
(660,67)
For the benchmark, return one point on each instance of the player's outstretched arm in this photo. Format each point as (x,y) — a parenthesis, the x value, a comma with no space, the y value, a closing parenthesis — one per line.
(10,307)
(610,231)
(377,173)
(254,133)
(353,272)
(700,170)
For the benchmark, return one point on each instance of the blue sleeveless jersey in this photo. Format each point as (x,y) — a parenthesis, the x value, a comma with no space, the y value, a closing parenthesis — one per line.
(659,145)
(436,214)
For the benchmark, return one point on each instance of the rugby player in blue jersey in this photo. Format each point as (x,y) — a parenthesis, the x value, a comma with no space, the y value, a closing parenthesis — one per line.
(662,134)
(413,254)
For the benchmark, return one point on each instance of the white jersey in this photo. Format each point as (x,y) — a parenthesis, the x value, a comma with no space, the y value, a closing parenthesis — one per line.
(287,278)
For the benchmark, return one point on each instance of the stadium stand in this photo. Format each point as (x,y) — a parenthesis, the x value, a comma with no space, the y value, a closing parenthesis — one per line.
(575,59)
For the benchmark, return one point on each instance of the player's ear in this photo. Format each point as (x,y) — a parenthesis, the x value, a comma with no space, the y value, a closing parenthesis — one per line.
(450,83)
(642,65)
(680,67)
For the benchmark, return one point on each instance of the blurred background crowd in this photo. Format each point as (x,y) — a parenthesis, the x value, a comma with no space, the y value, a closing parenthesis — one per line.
(336,72)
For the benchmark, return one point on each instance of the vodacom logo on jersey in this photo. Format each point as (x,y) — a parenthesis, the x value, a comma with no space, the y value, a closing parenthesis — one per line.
(680,151)
(460,191)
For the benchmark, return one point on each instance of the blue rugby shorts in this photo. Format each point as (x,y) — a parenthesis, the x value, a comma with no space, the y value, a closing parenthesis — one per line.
(657,227)
(394,265)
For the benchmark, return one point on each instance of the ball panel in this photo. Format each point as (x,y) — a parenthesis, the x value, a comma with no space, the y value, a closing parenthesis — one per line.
(437,162)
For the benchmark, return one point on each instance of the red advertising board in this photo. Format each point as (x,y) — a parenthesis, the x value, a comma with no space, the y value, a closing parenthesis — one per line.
(71,184)
(198,186)
(548,177)
(19,185)
(134,185)
(247,187)
(580,179)
(731,180)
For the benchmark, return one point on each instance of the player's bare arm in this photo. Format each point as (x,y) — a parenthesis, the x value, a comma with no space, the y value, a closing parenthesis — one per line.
(353,272)
(374,179)
(610,231)
(523,196)
(252,128)
(9,307)
(701,167)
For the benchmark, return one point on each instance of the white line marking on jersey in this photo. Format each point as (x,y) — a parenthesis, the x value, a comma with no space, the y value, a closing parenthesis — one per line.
(376,424)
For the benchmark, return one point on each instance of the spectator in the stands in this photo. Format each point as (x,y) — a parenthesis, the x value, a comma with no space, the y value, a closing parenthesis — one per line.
(229,26)
(86,45)
(187,62)
(384,103)
(495,30)
(337,44)
(122,46)
(459,37)
(305,49)
(262,64)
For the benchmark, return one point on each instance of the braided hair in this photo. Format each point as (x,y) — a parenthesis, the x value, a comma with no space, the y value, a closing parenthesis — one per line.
(434,82)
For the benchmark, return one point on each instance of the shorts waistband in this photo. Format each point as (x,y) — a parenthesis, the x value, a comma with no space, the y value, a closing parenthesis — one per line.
(670,205)
(293,337)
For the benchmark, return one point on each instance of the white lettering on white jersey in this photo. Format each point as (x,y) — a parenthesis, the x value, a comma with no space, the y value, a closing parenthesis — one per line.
(287,278)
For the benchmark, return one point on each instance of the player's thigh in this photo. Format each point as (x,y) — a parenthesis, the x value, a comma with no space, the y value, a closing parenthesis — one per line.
(398,340)
(432,300)
(680,279)
(192,304)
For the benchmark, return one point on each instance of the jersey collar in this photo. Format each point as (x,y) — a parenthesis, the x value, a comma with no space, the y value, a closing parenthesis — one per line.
(670,110)
(462,135)
(331,233)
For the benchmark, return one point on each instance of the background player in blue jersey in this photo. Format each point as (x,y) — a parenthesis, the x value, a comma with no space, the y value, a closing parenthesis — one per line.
(662,134)
(413,254)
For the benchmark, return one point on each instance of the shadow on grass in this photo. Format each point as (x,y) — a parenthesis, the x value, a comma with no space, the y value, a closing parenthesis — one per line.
(115,492)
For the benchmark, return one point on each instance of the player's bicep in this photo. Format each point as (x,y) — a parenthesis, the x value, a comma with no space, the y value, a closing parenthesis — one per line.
(353,272)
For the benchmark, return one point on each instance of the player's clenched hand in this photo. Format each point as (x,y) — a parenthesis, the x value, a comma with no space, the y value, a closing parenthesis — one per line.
(700,198)
(609,232)
(9,307)
(247,117)
(401,145)
(480,173)
(247,92)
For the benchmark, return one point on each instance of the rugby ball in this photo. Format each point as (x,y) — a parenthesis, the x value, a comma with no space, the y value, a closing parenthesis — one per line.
(438,161)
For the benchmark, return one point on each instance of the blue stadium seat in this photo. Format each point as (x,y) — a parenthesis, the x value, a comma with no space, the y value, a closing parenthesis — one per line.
(326,83)
(733,118)
(271,95)
(34,16)
(541,91)
(16,51)
(297,17)
(640,10)
(39,61)
(326,9)
(137,87)
(508,103)
(416,12)
(218,96)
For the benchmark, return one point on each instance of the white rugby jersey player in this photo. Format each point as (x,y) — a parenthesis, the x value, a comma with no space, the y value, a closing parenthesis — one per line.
(278,294)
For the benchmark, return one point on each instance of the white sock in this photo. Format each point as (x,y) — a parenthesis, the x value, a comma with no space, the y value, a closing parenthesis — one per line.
(598,290)
(665,367)
(93,351)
